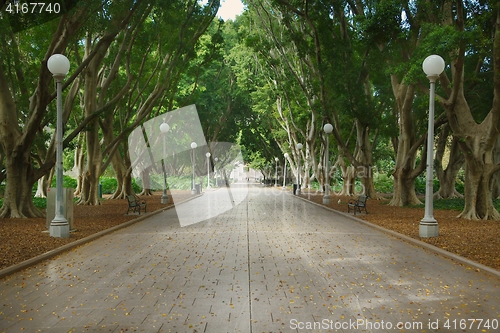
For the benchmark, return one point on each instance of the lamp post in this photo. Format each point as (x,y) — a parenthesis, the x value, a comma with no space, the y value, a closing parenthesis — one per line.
(299,147)
(193,147)
(284,172)
(215,171)
(164,129)
(433,66)
(58,65)
(276,173)
(208,169)
(328,128)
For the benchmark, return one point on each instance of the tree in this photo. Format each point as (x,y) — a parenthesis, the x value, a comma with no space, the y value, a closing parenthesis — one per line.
(447,176)
(28,153)
(126,87)
(477,139)
(23,113)
(312,44)
(98,42)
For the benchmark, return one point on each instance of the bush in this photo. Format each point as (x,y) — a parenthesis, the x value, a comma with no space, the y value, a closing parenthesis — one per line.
(460,181)
(109,185)
(136,188)
(68,182)
(40,202)
(420,184)
(383,183)
(447,204)
(315,185)
(179,183)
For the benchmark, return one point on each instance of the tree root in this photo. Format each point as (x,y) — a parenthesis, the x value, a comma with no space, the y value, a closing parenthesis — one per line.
(9,212)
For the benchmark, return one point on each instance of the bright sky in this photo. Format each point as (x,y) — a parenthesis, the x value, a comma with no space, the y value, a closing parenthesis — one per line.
(228,8)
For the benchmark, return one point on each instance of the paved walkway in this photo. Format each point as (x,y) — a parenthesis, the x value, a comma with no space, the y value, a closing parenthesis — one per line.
(273,263)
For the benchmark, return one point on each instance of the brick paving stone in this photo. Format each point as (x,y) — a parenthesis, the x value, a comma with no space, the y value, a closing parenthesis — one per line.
(271,263)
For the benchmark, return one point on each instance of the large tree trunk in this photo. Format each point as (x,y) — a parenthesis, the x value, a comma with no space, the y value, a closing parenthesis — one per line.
(365,158)
(89,194)
(404,188)
(495,186)
(79,164)
(17,141)
(404,171)
(18,201)
(2,172)
(319,168)
(121,165)
(146,182)
(43,185)
(348,176)
(478,199)
(123,174)
(477,141)
(90,185)
(447,177)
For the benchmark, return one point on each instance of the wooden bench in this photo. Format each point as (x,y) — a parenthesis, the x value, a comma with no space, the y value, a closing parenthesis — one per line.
(135,204)
(358,204)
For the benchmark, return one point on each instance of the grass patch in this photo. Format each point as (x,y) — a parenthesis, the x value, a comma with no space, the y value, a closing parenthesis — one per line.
(447,204)
(450,204)
(453,204)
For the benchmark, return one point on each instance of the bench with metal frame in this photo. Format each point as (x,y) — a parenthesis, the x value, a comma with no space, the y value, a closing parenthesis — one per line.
(357,204)
(135,204)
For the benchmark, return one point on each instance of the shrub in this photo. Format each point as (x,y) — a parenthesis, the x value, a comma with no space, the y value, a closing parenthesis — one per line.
(383,183)
(179,183)
(40,202)
(68,182)
(109,185)
(420,184)
(135,187)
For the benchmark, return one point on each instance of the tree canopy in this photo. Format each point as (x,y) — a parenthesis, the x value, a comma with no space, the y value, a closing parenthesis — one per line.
(268,80)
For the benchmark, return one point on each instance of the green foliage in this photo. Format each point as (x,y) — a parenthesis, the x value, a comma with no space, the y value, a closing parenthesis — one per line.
(448,204)
(256,160)
(68,182)
(109,185)
(315,185)
(460,181)
(384,157)
(40,202)
(383,23)
(383,183)
(68,159)
(136,188)
(180,183)
(420,184)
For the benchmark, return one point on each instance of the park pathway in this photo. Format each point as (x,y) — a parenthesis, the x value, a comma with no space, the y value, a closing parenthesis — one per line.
(272,263)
